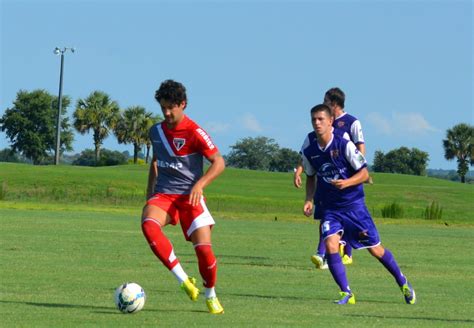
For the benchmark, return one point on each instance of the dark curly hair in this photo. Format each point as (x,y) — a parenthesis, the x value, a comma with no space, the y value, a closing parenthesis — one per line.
(335,96)
(171,91)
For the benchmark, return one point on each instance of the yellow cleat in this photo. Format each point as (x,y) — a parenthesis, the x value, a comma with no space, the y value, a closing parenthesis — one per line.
(319,261)
(189,286)
(341,249)
(214,305)
(346,260)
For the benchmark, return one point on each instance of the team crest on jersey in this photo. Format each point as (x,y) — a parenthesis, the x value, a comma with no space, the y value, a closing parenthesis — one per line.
(334,153)
(340,124)
(178,143)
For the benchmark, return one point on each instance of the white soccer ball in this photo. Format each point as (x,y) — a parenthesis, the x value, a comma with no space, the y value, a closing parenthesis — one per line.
(129,297)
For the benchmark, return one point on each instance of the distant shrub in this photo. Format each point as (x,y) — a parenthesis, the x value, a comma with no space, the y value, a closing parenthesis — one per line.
(107,158)
(393,210)
(140,161)
(433,212)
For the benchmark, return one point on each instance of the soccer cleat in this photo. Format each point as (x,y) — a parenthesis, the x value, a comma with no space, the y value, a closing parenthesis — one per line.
(214,305)
(346,298)
(408,293)
(189,286)
(319,261)
(346,259)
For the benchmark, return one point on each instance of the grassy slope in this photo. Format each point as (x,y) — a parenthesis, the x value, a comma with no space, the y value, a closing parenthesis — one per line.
(236,194)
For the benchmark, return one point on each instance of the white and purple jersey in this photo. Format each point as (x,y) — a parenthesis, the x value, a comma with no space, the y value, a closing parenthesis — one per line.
(179,155)
(351,125)
(340,159)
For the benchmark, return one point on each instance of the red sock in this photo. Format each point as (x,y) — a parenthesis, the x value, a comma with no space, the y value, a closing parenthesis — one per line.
(159,244)
(207,264)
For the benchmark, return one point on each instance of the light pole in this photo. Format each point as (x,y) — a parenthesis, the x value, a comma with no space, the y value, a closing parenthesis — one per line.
(58,51)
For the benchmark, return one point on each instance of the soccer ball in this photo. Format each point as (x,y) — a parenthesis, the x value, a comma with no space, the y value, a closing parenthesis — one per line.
(129,297)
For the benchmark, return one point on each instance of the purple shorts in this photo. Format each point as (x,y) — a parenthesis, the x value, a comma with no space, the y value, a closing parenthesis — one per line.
(355,224)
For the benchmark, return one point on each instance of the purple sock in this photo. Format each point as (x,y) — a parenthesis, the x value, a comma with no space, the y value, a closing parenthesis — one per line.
(348,250)
(338,271)
(321,245)
(391,265)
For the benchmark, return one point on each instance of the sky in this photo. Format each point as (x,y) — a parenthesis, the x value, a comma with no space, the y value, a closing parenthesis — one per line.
(254,68)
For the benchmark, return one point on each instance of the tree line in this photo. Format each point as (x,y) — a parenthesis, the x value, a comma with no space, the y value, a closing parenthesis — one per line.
(30,126)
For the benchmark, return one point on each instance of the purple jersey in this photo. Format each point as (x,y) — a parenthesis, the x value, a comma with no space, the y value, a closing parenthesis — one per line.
(351,125)
(340,159)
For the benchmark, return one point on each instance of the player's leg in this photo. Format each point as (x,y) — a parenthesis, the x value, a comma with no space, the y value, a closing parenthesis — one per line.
(196,223)
(319,258)
(387,259)
(346,252)
(338,271)
(154,219)
(201,239)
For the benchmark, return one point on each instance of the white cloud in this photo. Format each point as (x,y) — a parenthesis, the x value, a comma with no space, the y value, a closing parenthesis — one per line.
(250,123)
(217,127)
(410,124)
(381,123)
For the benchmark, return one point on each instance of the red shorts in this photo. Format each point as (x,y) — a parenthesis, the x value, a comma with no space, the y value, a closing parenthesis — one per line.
(178,208)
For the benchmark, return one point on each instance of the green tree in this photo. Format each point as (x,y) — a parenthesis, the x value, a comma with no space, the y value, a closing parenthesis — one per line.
(379,165)
(97,113)
(133,128)
(284,160)
(31,125)
(459,144)
(253,153)
(401,160)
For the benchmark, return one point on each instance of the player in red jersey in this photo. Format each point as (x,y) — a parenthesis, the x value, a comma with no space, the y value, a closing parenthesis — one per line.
(175,191)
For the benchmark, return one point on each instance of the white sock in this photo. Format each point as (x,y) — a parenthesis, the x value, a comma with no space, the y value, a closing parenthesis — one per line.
(210,292)
(179,273)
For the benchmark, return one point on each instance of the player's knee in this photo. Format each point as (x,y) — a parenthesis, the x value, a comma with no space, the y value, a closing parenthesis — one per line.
(205,253)
(150,228)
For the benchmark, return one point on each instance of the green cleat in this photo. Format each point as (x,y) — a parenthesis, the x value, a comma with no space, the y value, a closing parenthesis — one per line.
(189,286)
(214,305)
(408,293)
(346,260)
(346,298)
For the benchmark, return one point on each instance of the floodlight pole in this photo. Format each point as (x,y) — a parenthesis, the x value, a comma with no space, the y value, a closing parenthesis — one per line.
(58,51)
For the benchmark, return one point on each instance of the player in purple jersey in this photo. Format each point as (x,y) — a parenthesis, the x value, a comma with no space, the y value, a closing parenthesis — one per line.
(338,169)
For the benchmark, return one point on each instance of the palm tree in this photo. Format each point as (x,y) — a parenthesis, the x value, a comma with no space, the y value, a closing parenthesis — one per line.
(133,127)
(99,114)
(459,143)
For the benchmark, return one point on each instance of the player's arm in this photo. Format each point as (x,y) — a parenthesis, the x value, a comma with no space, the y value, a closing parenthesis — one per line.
(310,190)
(359,164)
(215,169)
(152,175)
(360,177)
(297,176)
(357,136)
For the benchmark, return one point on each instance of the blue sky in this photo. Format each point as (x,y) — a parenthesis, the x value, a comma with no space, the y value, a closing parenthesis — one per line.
(255,67)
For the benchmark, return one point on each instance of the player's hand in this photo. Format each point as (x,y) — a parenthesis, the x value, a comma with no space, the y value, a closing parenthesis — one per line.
(297,181)
(195,195)
(308,208)
(339,183)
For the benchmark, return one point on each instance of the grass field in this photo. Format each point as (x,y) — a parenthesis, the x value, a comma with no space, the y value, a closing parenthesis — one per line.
(59,269)
(70,235)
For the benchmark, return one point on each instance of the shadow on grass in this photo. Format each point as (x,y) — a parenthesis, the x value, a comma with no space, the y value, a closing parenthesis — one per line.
(410,318)
(95,309)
